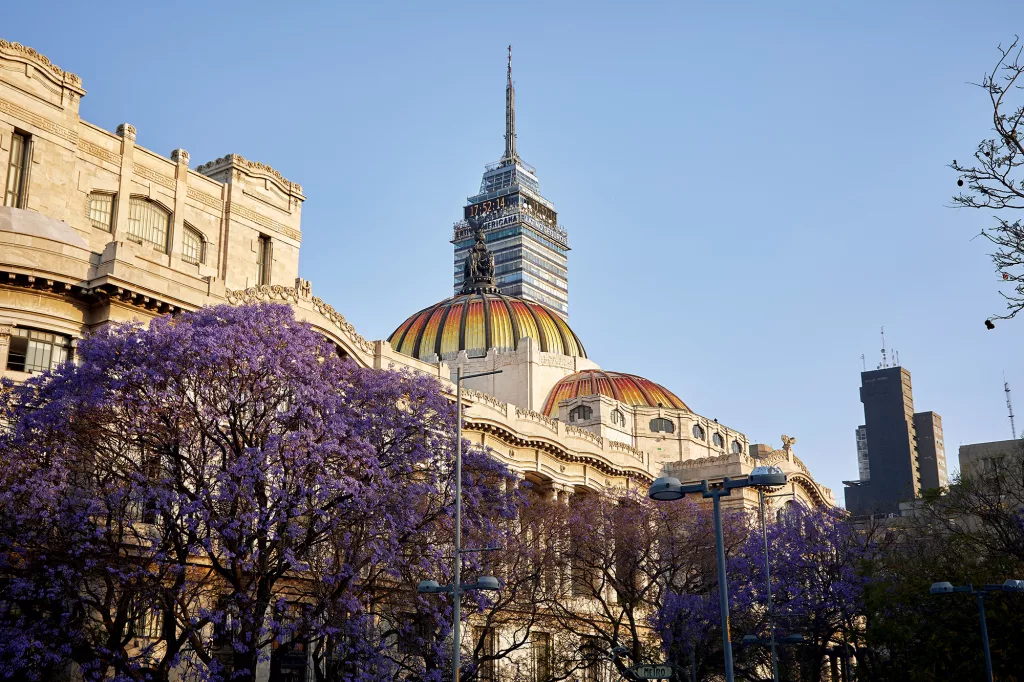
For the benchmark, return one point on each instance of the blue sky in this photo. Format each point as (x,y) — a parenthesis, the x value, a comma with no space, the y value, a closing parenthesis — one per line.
(751,189)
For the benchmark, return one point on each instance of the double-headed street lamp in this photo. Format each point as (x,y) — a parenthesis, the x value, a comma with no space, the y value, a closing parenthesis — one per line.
(668,488)
(1008,586)
(457,587)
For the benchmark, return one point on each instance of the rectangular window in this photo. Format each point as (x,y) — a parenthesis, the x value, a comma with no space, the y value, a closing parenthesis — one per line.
(264,260)
(100,211)
(192,246)
(16,189)
(36,351)
(147,622)
(540,656)
(591,650)
(484,638)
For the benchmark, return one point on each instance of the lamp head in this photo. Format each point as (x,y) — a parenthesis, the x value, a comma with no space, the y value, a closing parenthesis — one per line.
(1012,585)
(666,489)
(795,638)
(488,582)
(428,587)
(941,588)
(766,477)
(750,639)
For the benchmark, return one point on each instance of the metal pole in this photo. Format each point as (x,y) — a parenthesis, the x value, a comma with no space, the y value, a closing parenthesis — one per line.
(456,570)
(693,665)
(768,580)
(984,636)
(723,587)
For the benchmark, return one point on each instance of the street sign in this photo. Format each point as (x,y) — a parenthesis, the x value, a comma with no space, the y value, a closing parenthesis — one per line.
(660,671)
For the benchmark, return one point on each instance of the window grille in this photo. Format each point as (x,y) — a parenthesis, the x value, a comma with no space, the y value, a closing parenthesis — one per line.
(192,246)
(660,424)
(37,351)
(17,171)
(148,223)
(101,211)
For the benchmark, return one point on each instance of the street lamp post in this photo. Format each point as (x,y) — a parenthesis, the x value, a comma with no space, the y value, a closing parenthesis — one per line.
(1008,586)
(768,580)
(668,488)
(457,588)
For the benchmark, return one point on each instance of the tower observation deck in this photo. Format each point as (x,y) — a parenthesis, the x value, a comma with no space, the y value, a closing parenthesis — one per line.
(520,226)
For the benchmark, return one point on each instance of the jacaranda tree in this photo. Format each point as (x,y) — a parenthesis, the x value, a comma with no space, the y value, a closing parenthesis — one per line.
(215,489)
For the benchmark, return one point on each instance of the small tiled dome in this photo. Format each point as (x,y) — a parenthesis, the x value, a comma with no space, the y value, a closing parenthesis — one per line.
(627,388)
(481,320)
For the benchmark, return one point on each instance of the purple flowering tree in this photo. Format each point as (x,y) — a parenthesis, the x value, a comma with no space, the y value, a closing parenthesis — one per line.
(217,489)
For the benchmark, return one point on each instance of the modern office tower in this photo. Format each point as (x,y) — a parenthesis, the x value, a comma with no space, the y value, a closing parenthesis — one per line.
(931,452)
(901,462)
(520,226)
(862,453)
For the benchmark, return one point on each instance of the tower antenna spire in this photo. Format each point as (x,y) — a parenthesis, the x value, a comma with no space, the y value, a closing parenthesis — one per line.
(510,114)
(885,361)
(1009,406)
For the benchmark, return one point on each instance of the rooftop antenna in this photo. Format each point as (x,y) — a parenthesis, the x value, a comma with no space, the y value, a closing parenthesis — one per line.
(863,362)
(895,358)
(885,361)
(1009,406)
(510,114)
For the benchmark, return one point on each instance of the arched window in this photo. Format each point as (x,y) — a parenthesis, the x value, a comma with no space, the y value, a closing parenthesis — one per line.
(698,432)
(618,418)
(718,440)
(660,424)
(193,246)
(100,209)
(148,223)
(736,447)
(580,412)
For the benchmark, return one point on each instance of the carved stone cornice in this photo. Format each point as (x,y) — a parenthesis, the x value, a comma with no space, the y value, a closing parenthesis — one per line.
(252,168)
(61,76)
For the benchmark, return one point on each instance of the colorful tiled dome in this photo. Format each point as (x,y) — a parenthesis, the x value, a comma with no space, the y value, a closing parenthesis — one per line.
(627,388)
(477,321)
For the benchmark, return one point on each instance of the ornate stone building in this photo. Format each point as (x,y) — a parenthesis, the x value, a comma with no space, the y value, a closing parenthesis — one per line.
(96,228)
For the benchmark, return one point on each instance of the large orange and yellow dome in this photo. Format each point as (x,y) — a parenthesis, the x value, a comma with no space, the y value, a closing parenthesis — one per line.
(478,321)
(627,388)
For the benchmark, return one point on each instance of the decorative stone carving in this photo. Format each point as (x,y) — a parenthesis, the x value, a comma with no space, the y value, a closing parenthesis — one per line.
(256,167)
(180,156)
(29,53)
(126,130)
(303,287)
(787,442)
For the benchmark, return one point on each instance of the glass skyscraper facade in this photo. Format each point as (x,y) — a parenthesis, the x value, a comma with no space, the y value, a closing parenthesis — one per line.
(521,227)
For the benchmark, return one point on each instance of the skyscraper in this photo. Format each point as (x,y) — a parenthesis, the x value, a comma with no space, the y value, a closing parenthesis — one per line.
(520,226)
(903,450)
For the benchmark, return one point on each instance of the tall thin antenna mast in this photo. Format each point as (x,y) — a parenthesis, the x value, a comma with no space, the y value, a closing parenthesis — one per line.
(1009,406)
(510,114)
(863,362)
(885,361)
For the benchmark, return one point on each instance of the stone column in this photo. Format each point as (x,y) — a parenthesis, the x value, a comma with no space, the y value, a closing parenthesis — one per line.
(124,189)
(180,157)
(5,345)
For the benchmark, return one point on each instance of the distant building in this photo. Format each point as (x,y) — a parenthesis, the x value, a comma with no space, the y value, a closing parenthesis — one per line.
(931,451)
(529,247)
(863,466)
(981,459)
(896,462)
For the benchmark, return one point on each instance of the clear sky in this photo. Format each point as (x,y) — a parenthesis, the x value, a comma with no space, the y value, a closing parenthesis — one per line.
(750,189)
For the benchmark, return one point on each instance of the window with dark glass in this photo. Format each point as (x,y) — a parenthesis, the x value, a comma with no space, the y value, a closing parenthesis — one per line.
(698,432)
(32,350)
(718,440)
(148,223)
(618,418)
(100,210)
(540,656)
(736,447)
(264,260)
(662,425)
(18,167)
(193,246)
(147,621)
(580,413)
